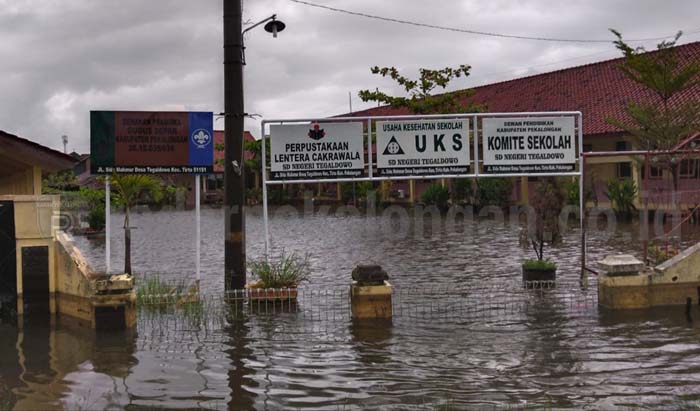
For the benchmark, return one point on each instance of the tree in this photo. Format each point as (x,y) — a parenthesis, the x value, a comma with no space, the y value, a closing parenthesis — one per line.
(661,122)
(420,99)
(543,225)
(56,183)
(129,188)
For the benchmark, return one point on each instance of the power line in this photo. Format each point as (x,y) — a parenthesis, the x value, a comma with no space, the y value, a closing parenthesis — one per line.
(458,30)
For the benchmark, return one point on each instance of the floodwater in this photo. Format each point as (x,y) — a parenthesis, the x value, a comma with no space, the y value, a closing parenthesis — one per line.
(547,348)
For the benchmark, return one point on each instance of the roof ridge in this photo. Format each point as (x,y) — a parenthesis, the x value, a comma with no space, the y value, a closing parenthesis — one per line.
(594,63)
(528,77)
(40,146)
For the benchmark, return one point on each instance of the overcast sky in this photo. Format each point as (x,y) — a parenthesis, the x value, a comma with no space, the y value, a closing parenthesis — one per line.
(59,59)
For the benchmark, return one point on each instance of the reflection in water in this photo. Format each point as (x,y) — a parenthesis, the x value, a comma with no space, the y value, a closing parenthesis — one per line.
(550,351)
(239,375)
(371,339)
(41,358)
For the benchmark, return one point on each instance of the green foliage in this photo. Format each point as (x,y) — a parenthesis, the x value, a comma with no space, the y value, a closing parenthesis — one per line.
(462,190)
(285,271)
(622,194)
(56,183)
(436,195)
(420,99)
(361,189)
(253,196)
(542,265)
(255,147)
(277,194)
(129,189)
(96,218)
(659,255)
(494,191)
(548,202)
(663,121)
(573,194)
(152,291)
(170,194)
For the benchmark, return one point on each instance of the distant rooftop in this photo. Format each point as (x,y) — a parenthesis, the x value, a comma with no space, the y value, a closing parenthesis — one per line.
(17,154)
(600,90)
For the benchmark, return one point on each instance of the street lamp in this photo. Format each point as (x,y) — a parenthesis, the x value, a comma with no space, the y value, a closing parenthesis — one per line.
(234,114)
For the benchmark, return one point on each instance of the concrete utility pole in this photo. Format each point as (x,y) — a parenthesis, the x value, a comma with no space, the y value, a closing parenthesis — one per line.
(234,176)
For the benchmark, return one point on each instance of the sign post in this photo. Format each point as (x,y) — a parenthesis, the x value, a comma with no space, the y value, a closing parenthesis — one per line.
(529,145)
(316,151)
(198,238)
(108,226)
(423,147)
(149,142)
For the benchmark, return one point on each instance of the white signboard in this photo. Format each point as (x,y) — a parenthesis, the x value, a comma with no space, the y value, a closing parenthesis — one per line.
(529,144)
(422,147)
(316,151)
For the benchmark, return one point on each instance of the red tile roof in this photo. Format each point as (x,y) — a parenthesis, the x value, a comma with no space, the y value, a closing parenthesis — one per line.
(599,90)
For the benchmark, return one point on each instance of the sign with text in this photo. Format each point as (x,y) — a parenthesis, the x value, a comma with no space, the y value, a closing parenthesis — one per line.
(145,142)
(529,144)
(422,147)
(316,151)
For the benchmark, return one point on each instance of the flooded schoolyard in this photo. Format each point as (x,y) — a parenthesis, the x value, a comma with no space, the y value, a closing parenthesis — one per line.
(465,334)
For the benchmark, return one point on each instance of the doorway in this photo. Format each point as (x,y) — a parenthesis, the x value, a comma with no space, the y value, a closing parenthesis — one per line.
(8,254)
(35,279)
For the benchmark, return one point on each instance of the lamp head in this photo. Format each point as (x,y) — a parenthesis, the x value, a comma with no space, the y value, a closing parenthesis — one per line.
(274,26)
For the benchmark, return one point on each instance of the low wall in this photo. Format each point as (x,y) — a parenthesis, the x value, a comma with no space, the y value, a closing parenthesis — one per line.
(81,293)
(671,283)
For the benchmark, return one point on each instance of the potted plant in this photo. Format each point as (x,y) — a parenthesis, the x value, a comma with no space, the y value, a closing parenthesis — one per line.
(543,229)
(277,278)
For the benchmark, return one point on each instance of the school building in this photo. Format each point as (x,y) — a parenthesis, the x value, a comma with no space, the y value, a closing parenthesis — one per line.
(601,91)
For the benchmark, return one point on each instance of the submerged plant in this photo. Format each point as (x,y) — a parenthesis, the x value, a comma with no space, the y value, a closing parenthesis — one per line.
(659,255)
(128,189)
(285,271)
(436,195)
(622,194)
(544,226)
(153,291)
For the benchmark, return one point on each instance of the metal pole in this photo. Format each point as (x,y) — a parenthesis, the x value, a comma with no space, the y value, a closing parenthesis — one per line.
(234,175)
(266,226)
(582,199)
(108,227)
(476,146)
(198,219)
(369,147)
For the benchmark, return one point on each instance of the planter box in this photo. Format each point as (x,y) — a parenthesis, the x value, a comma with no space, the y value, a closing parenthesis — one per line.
(272,294)
(539,275)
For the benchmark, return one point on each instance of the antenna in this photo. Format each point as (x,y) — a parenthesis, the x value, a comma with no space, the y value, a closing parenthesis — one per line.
(64,138)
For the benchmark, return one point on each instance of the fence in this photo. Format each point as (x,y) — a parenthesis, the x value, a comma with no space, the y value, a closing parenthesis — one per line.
(476,305)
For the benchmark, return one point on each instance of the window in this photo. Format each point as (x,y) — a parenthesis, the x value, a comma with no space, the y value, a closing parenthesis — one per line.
(655,173)
(624,170)
(621,146)
(690,168)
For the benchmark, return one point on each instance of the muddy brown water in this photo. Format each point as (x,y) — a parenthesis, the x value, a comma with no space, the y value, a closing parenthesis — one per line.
(552,348)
